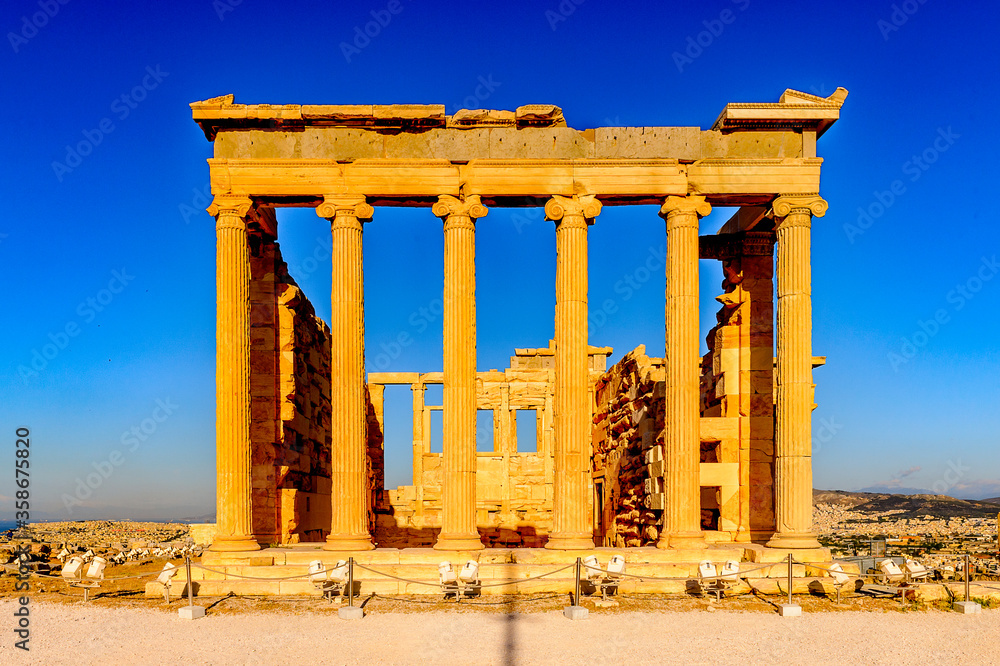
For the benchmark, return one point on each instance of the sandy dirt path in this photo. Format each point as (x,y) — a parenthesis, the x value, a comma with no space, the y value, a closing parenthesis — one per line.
(78,634)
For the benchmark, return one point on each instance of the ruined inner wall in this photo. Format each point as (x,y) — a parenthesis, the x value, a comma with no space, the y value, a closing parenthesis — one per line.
(514,484)
(627,436)
(736,468)
(290,404)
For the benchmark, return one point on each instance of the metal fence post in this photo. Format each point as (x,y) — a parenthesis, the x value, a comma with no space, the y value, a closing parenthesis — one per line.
(350,581)
(189,612)
(190,587)
(576,597)
(968,574)
(789,578)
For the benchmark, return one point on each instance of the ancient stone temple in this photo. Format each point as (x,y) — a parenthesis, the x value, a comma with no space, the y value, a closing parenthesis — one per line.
(666,448)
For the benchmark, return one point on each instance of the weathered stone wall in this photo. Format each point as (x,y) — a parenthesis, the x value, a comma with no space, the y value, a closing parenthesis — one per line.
(738,378)
(290,404)
(302,461)
(265,433)
(627,435)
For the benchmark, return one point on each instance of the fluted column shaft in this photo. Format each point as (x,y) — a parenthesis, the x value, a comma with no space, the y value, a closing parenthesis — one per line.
(681,437)
(458,510)
(349,494)
(794,400)
(572,523)
(234,526)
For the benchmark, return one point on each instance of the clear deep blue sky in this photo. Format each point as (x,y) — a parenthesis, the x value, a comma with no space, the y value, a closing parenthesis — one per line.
(925,419)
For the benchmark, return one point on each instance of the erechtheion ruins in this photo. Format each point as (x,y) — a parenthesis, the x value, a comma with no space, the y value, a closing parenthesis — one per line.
(686,453)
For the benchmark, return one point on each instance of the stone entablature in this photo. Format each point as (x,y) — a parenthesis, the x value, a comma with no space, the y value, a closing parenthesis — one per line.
(401,153)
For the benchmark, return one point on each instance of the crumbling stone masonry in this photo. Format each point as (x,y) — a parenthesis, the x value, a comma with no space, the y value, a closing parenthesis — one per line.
(290,403)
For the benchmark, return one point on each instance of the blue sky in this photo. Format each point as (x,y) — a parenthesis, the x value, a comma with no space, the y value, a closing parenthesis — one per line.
(101,242)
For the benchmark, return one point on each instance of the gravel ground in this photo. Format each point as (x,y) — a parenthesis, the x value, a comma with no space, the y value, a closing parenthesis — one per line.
(74,633)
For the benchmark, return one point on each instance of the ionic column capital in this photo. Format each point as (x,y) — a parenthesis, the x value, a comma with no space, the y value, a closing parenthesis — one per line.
(579,206)
(349,209)
(785,206)
(453,209)
(684,211)
(230,210)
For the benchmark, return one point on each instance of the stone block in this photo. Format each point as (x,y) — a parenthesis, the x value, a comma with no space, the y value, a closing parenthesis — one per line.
(764,144)
(927,593)
(967,607)
(632,142)
(191,612)
(575,613)
(343,144)
(350,613)
(789,610)
(461,146)
(761,451)
(562,142)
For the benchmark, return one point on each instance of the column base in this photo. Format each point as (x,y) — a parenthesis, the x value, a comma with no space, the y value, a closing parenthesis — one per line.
(458,542)
(234,544)
(793,540)
(682,541)
(570,541)
(348,542)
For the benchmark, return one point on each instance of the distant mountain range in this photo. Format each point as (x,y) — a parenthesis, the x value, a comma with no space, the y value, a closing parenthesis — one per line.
(912,505)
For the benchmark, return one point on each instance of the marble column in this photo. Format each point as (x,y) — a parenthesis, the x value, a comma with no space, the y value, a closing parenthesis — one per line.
(458,494)
(349,496)
(572,524)
(681,437)
(794,400)
(234,527)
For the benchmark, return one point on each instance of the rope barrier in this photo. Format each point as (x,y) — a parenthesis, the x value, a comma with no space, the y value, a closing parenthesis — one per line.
(910,584)
(740,575)
(679,578)
(469,603)
(508,582)
(235,575)
(109,580)
(522,580)
(405,580)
